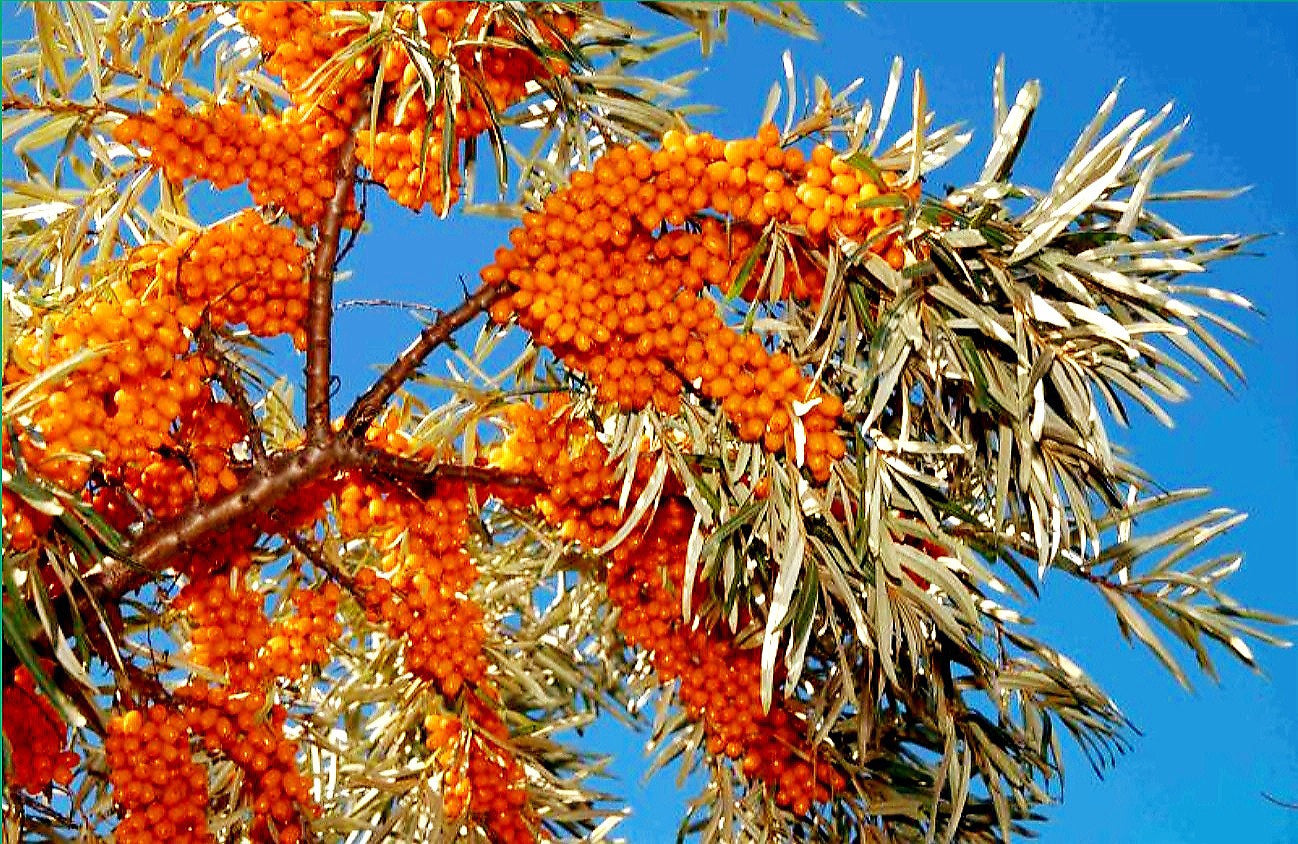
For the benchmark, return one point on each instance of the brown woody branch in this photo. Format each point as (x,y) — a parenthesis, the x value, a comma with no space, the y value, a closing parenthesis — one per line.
(316,555)
(19,103)
(422,477)
(273,480)
(270,482)
(371,402)
(319,317)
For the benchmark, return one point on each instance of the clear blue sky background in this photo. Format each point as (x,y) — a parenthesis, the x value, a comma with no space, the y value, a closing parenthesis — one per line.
(1198,772)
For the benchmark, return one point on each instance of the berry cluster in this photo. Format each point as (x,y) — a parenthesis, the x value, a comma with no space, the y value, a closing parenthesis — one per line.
(579,487)
(409,165)
(297,38)
(286,161)
(719,682)
(239,726)
(119,403)
(242,271)
(596,281)
(489,55)
(194,463)
(303,639)
(418,592)
(155,779)
(421,543)
(405,151)
(232,635)
(23,524)
(36,734)
(480,778)
(229,627)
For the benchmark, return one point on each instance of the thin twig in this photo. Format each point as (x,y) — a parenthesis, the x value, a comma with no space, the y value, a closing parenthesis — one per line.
(371,402)
(1283,803)
(355,233)
(316,555)
(387,303)
(233,387)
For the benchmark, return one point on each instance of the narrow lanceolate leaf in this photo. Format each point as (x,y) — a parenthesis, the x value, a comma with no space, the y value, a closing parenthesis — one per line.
(647,500)
(791,563)
(1010,134)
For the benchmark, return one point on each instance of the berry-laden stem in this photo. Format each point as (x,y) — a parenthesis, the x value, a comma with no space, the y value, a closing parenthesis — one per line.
(317,557)
(371,402)
(279,476)
(319,317)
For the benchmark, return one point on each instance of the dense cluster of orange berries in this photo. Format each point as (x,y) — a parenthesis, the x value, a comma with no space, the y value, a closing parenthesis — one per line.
(579,487)
(405,151)
(37,736)
(232,635)
(242,727)
(241,271)
(155,779)
(286,161)
(194,463)
(595,280)
(120,403)
(409,165)
(418,590)
(719,682)
(303,639)
(138,419)
(229,626)
(421,543)
(480,778)
(486,49)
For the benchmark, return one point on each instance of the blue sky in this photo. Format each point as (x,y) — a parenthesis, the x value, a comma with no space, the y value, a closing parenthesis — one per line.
(1198,772)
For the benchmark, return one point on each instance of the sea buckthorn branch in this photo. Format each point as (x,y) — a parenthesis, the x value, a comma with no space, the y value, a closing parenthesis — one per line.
(371,402)
(421,477)
(319,318)
(280,475)
(275,479)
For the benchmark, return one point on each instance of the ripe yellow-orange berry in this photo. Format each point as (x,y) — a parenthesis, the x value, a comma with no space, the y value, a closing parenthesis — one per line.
(155,779)
(608,276)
